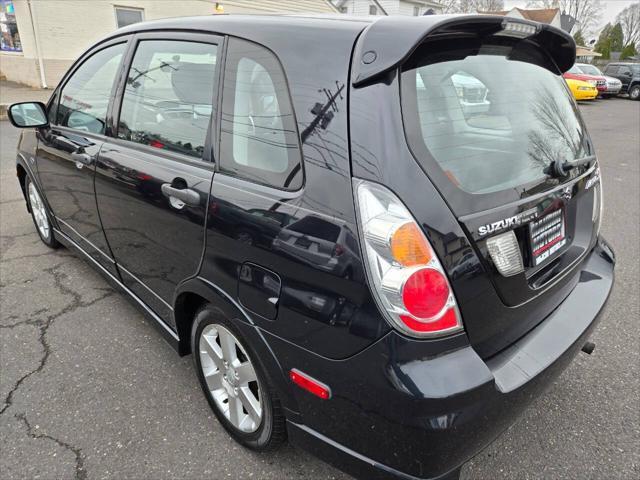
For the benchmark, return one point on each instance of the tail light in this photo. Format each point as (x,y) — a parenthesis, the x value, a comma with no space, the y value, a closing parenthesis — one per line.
(405,274)
(338,250)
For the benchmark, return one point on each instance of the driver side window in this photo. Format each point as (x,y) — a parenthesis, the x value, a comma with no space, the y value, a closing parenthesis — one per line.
(85,97)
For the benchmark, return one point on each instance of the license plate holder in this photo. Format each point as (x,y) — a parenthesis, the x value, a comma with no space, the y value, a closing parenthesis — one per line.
(547,236)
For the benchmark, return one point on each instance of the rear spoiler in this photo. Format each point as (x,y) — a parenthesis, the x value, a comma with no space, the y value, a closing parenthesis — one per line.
(388,42)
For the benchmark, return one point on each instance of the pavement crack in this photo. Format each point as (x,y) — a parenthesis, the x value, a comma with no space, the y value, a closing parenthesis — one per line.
(80,472)
(44,325)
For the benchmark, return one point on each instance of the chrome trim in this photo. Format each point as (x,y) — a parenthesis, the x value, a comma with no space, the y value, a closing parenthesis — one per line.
(58,219)
(121,285)
(145,286)
(532,198)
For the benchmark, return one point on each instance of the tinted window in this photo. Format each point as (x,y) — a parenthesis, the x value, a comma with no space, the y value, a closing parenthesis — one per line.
(611,69)
(168,98)
(489,132)
(259,139)
(85,97)
(127,16)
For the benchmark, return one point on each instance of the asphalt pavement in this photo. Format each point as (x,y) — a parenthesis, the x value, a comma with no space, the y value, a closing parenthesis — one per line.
(89,390)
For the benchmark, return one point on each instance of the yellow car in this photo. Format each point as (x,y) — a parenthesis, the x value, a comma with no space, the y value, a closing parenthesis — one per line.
(582,90)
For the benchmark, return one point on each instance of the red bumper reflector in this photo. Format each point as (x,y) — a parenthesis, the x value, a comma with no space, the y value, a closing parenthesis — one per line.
(309,384)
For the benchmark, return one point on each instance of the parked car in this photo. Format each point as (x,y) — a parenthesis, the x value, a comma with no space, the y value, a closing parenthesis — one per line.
(629,76)
(575,73)
(613,84)
(582,90)
(477,234)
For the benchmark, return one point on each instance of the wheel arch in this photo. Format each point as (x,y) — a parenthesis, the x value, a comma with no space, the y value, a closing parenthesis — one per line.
(195,292)
(21,172)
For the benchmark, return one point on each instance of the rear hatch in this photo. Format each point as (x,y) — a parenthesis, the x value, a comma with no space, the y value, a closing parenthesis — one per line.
(490,120)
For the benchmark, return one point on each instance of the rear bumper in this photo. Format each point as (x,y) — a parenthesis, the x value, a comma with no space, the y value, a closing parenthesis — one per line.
(398,413)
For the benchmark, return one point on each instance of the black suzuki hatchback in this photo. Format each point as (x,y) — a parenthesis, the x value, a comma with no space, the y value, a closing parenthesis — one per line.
(379,237)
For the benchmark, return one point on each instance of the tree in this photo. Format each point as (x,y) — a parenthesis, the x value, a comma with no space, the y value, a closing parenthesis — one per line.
(616,39)
(586,12)
(628,51)
(629,20)
(471,6)
(603,45)
(579,38)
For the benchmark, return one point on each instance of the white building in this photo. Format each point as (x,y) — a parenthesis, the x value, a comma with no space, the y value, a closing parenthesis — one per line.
(41,38)
(387,7)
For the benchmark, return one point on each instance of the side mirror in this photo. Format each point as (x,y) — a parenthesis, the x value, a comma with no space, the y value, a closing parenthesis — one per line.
(28,115)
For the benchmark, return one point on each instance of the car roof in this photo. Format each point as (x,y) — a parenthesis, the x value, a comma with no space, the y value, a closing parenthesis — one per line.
(383,55)
(245,24)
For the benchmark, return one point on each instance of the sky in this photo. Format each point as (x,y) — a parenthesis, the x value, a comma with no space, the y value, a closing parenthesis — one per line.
(611,9)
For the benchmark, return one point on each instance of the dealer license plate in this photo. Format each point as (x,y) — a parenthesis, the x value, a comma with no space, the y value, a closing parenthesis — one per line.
(547,236)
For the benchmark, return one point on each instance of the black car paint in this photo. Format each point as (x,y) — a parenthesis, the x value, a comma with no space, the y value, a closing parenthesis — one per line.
(401,407)
(628,80)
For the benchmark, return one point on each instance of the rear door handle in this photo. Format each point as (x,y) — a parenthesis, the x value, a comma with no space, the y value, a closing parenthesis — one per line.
(82,159)
(185,195)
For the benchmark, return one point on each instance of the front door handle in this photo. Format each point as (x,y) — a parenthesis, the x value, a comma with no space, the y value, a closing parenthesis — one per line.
(82,159)
(185,195)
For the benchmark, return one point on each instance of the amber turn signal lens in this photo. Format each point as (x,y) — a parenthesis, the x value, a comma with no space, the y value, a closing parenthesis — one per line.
(409,247)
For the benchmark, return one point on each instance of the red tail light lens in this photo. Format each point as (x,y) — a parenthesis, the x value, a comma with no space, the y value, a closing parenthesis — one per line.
(425,293)
(406,277)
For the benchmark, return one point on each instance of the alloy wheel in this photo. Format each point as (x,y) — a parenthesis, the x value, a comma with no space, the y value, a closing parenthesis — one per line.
(39,212)
(230,377)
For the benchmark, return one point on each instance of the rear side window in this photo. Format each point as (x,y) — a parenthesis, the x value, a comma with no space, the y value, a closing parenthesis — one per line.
(168,98)
(85,97)
(259,138)
(490,117)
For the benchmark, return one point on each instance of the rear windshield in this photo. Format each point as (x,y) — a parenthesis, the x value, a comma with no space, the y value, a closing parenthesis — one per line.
(489,116)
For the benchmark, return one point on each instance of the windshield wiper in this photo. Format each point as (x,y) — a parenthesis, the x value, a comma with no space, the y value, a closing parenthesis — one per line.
(560,169)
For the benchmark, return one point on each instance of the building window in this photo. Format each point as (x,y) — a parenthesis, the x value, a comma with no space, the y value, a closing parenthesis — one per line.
(373,10)
(10,39)
(416,11)
(128,16)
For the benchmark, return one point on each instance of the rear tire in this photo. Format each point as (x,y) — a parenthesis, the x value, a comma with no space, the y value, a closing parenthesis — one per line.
(40,214)
(634,92)
(234,382)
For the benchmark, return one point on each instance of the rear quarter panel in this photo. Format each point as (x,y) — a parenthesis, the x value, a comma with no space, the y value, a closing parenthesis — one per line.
(327,311)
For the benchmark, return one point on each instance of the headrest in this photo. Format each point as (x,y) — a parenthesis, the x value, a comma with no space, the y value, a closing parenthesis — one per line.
(193,82)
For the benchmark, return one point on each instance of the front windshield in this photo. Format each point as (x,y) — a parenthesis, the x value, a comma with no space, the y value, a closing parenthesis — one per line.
(489,122)
(590,69)
(575,69)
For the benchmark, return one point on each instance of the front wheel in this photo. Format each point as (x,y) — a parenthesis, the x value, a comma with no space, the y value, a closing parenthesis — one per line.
(234,383)
(634,92)
(40,215)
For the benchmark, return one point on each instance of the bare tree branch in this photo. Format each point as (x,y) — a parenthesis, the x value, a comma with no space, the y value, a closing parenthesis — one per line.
(586,12)
(471,6)
(629,20)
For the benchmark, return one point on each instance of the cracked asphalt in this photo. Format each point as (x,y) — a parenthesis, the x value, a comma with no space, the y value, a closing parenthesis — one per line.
(89,390)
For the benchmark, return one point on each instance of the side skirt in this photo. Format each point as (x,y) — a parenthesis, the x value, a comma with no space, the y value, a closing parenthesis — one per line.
(168,334)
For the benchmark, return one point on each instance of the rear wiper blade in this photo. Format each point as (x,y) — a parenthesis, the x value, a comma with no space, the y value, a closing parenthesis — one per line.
(560,169)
